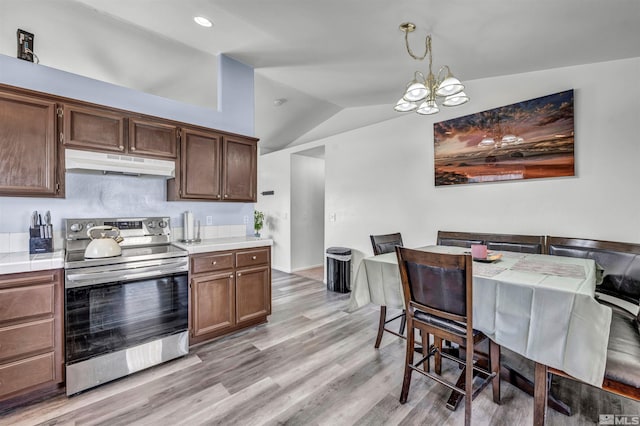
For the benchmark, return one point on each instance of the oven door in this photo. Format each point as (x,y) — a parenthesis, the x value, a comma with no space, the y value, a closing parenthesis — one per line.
(106,317)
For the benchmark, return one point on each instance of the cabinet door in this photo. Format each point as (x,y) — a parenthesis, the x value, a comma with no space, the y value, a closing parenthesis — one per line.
(93,129)
(31,332)
(253,293)
(152,138)
(200,165)
(28,162)
(212,306)
(239,169)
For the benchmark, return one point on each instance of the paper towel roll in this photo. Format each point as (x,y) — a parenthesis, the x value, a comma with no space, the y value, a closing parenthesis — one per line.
(188,226)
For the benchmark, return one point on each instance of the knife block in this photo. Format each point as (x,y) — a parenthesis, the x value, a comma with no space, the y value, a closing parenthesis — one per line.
(38,244)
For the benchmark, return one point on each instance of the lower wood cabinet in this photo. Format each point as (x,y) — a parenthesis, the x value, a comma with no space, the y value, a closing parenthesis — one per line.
(230,290)
(31,332)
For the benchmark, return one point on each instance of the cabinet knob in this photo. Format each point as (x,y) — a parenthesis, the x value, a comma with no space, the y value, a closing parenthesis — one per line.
(214,262)
(253,257)
(231,276)
(121,148)
(239,274)
(226,195)
(133,148)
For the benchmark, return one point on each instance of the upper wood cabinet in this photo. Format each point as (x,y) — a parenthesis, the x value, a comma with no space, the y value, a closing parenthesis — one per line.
(152,138)
(214,166)
(239,179)
(93,129)
(28,147)
(102,129)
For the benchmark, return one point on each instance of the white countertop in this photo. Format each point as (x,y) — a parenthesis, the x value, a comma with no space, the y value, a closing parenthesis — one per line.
(16,262)
(12,263)
(220,244)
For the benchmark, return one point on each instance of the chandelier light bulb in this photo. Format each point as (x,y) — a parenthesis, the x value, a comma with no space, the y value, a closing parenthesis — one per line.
(429,107)
(405,106)
(455,100)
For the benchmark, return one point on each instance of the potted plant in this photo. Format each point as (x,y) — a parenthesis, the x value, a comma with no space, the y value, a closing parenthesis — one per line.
(258,221)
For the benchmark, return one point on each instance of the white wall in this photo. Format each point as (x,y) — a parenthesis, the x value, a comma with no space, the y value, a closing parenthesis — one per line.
(307,212)
(380,178)
(274,174)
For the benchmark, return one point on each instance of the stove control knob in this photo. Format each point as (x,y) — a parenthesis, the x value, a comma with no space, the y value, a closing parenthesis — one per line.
(76,227)
(151,225)
(90,225)
(163,224)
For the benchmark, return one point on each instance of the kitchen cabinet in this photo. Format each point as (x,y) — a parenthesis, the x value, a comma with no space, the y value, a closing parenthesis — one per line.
(215,166)
(28,147)
(198,171)
(104,129)
(152,138)
(230,290)
(239,179)
(31,332)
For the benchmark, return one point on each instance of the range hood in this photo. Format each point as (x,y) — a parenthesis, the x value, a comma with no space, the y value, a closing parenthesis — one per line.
(115,163)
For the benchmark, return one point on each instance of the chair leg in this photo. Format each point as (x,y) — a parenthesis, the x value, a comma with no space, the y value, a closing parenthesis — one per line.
(425,349)
(383,318)
(468,384)
(406,382)
(403,321)
(494,363)
(437,342)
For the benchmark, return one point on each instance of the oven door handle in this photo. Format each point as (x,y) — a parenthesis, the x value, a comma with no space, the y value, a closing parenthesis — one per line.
(84,279)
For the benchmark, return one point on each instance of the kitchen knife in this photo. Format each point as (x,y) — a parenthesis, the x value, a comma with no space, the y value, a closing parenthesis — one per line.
(34,219)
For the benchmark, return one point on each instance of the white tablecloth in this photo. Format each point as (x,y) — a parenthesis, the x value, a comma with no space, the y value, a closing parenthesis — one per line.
(540,306)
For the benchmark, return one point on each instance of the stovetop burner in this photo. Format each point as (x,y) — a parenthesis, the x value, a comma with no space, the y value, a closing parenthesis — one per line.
(76,259)
(144,238)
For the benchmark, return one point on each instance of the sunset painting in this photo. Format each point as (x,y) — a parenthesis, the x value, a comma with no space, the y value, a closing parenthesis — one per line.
(526,140)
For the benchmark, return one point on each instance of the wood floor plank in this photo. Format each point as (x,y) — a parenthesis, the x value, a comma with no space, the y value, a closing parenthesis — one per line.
(313,363)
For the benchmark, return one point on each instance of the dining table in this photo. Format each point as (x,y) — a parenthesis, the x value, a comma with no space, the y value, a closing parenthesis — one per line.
(539,306)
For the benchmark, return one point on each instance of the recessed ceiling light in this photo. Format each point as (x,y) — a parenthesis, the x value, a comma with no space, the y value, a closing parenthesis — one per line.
(201,20)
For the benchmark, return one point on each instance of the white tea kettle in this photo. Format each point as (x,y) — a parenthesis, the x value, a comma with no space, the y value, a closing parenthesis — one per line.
(104,245)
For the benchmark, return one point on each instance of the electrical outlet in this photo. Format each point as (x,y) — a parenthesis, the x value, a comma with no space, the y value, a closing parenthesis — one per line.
(246,220)
(25,45)
(209,220)
(332,217)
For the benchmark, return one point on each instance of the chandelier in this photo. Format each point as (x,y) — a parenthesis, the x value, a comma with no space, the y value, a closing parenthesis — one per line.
(421,93)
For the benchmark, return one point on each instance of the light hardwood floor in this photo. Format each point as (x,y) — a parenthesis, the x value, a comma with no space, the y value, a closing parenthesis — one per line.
(312,364)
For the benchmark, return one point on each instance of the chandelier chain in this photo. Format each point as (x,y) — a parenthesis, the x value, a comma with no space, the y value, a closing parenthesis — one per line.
(427,47)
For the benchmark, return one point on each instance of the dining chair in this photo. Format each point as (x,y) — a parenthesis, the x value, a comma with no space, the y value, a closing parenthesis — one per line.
(438,292)
(387,244)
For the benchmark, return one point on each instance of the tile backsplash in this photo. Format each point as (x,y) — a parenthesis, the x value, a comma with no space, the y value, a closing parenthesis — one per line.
(13,242)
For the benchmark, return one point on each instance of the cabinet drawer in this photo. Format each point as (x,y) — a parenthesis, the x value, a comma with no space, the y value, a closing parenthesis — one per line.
(211,262)
(252,257)
(23,302)
(25,373)
(26,338)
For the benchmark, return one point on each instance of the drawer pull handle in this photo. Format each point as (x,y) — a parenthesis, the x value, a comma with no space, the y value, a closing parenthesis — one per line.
(231,276)
(253,257)
(214,262)
(239,274)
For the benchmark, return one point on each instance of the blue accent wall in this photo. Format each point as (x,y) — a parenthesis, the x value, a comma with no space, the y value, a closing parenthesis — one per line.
(109,196)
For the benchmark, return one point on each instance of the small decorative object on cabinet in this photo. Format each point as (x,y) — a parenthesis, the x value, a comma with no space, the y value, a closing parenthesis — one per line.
(258,221)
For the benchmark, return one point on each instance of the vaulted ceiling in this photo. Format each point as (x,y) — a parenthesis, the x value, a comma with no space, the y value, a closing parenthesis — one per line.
(341,64)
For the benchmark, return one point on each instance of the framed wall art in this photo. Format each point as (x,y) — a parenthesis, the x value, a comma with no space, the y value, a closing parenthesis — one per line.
(526,140)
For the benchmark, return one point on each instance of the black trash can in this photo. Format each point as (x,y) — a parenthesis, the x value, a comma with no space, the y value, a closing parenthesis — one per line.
(339,269)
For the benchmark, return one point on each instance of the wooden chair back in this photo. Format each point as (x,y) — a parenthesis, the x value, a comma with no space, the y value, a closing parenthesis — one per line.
(534,244)
(385,243)
(437,284)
